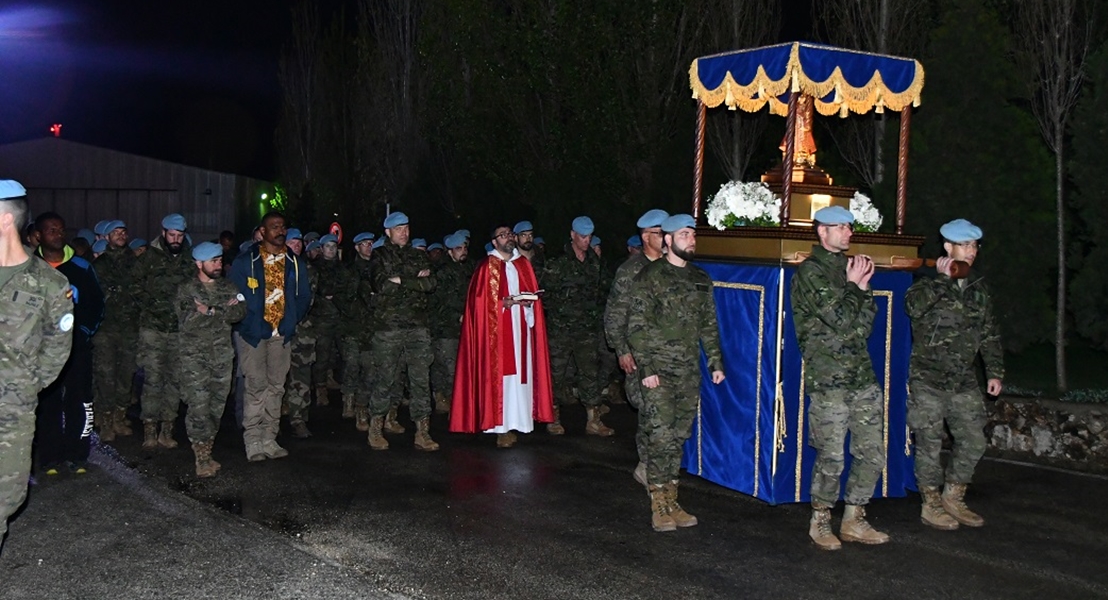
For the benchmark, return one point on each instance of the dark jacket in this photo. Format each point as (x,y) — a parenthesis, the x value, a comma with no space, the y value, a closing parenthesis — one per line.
(88,298)
(248,275)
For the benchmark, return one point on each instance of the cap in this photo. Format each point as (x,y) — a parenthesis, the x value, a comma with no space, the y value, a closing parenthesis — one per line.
(174,222)
(207,251)
(136,243)
(960,230)
(583,226)
(395,220)
(539,240)
(523,226)
(293,234)
(364,236)
(488,247)
(311,236)
(678,222)
(99,246)
(652,218)
(10,188)
(328,239)
(833,215)
(595,240)
(312,245)
(380,242)
(454,240)
(435,246)
(634,241)
(101,227)
(113,225)
(464,233)
(419,243)
(87,235)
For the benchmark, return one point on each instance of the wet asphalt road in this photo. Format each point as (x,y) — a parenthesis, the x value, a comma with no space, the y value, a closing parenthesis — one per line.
(561,517)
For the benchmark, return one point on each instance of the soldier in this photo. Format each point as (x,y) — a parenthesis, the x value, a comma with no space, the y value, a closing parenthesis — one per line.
(158,273)
(540,244)
(35,338)
(403,282)
(298,386)
(575,288)
(419,244)
(436,252)
(525,243)
(634,245)
(448,302)
(207,307)
(615,318)
(671,315)
(327,320)
(98,247)
(113,355)
(357,383)
(138,246)
(833,310)
(952,322)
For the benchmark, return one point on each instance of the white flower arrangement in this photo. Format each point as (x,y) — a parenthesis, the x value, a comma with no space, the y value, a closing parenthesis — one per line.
(866,217)
(738,203)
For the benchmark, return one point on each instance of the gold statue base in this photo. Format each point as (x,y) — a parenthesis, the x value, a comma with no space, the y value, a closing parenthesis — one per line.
(792,244)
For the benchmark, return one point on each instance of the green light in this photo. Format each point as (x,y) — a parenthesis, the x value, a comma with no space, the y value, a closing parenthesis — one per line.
(264,195)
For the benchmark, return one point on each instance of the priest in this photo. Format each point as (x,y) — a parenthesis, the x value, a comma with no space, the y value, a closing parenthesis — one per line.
(502,381)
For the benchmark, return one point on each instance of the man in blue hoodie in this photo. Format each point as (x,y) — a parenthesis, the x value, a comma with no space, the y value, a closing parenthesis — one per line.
(278,294)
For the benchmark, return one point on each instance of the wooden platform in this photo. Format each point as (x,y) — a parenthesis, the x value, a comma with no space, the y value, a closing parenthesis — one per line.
(792,245)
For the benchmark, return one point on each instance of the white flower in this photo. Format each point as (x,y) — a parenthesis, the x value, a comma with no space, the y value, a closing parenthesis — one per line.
(866,216)
(739,203)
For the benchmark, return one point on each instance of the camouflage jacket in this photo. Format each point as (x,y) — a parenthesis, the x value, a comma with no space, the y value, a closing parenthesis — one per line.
(208,333)
(672,315)
(951,324)
(304,327)
(362,305)
(575,292)
(401,305)
(36,329)
(335,290)
(449,299)
(115,268)
(157,276)
(615,313)
(833,320)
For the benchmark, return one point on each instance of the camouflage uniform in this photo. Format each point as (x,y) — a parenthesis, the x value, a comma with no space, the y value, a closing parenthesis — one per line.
(36,323)
(116,341)
(206,355)
(574,304)
(364,324)
(328,319)
(833,320)
(671,314)
(298,384)
(615,331)
(952,321)
(352,311)
(448,303)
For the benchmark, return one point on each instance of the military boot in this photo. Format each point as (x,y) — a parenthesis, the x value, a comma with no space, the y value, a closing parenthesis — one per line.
(506,440)
(556,428)
(442,403)
(933,513)
(149,435)
(391,424)
(595,426)
(165,438)
(423,439)
(119,422)
(678,514)
(361,418)
(640,475)
(819,529)
(321,395)
(855,528)
(204,466)
(348,406)
(300,430)
(376,440)
(659,510)
(106,423)
(332,384)
(955,506)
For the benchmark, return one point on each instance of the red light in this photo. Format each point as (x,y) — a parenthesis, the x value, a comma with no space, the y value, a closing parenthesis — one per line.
(56,129)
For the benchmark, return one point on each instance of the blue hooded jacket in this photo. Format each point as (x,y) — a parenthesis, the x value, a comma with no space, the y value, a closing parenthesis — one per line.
(248,275)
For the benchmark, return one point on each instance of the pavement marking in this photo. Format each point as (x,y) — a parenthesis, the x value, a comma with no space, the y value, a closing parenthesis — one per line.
(1046,467)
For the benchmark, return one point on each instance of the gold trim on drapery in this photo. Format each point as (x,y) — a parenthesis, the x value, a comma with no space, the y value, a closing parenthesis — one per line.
(888,295)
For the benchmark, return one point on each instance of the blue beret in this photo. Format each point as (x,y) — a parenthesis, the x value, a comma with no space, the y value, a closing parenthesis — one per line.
(136,243)
(595,240)
(207,251)
(87,235)
(380,242)
(464,233)
(678,222)
(419,243)
(113,225)
(634,241)
(98,229)
(583,226)
(312,245)
(454,240)
(395,220)
(10,188)
(328,239)
(175,222)
(364,236)
(293,234)
(652,218)
(833,215)
(539,240)
(523,226)
(960,230)
(435,246)
(311,236)
(99,246)
(488,247)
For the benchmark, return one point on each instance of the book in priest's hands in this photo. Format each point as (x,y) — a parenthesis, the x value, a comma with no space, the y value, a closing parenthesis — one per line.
(527,296)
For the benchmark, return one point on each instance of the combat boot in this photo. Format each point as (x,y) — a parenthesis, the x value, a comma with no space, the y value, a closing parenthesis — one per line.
(955,506)
(300,430)
(442,403)
(321,395)
(106,423)
(165,438)
(505,440)
(933,513)
(119,422)
(149,435)
(332,384)
(348,406)
(361,418)
(595,426)
(855,528)
(678,514)
(423,439)
(819,529)
(556,428)
(376,440)
(204,466)
(659,510)
(640,475)
(391,424)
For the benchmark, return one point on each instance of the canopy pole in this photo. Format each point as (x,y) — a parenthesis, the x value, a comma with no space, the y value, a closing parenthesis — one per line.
(902,169)
(790,158)
(698,161)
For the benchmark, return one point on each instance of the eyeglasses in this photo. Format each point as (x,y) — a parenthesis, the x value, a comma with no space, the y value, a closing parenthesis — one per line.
(506,234)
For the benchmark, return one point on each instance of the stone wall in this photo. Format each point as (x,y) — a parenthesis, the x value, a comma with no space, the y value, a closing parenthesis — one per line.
(1061,433)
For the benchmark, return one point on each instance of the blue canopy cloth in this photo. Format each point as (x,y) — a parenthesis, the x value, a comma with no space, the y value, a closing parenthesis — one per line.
(841,81)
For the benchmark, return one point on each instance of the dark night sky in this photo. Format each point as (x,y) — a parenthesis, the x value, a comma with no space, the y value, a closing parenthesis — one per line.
(193,81)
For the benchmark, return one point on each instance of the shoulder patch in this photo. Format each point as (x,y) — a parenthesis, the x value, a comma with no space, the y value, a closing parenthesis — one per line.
(66,322)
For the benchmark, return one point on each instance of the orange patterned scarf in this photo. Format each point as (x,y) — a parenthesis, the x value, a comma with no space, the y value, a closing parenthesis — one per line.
(274,287)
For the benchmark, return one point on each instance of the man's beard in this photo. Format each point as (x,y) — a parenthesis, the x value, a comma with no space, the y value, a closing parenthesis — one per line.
(215,273)
(174,249)
(508,247)
(687,253)
(526,246)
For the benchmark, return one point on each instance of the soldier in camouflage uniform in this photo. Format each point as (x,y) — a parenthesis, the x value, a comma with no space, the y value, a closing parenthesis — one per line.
(671,314)
(525,243)
(298,386)
(833,311)
(402,282)
(574,300)
(615,318)
(952,322)
(113,355)
(327,319)
(36,325)
(355,398)
(207,306)
(158,273)
(448,302)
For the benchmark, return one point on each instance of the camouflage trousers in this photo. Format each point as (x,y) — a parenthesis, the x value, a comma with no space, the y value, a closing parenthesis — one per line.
(157,355)
(574,362)
(831,414)
(392,352)
(351,365)
(442,370)
(113,364)
(298,385)
(205,376)
(964,414)
(328,351)
(17,431)
(607,362)
(632,386)
(665,422)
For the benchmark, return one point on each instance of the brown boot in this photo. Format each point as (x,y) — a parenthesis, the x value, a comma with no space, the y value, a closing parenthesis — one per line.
(119,422)
(321,395)
(819,529)
(678,514)
(300,430)
(375,439)
(149,435)
(506,440)
(331,383)
(955,506)
(659,510)
(933,513)
(204,466)
(423,439)
(361,418)
(106,423)
(556,428)
(442,403)
(595,426)
(348,406)
(392,425)
(855,528)
(165,437)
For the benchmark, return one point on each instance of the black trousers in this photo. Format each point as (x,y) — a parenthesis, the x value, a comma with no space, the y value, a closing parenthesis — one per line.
(64,420)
